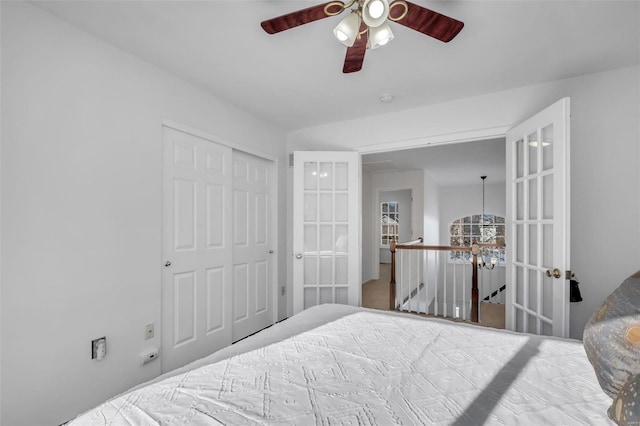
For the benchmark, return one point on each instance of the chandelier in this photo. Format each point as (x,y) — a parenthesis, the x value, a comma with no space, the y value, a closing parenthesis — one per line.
(485,258)
(373,14)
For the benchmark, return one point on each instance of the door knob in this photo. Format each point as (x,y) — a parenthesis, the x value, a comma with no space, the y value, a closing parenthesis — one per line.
(555,273)
(298,255)
(167,263)
(270,251)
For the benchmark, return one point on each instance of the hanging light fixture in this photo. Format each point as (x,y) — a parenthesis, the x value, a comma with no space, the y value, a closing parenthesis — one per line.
(375,12)
(347,30)
(375,15)
(379,36)
(489,262)
(368,26)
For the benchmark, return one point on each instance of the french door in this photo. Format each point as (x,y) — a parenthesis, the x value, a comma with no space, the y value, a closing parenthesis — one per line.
(326,228)
(538,222)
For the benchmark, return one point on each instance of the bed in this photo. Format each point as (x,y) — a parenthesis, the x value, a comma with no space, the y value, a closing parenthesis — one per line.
(342,365)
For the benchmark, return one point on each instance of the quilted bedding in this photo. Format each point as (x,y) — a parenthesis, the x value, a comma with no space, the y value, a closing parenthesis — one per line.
(364,367)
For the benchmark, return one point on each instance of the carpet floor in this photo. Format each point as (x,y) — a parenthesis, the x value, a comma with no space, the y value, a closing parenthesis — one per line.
(375,293)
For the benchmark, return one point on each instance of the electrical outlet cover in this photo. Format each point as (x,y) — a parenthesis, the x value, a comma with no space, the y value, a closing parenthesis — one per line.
(148,355)
(149,331)
(99,348)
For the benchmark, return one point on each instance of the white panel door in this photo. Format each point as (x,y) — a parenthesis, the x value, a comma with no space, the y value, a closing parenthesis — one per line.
(538,223)
(253,258)
(196,249)
(326,229)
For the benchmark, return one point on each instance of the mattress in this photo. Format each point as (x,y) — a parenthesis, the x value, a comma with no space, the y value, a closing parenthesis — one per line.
(339,365)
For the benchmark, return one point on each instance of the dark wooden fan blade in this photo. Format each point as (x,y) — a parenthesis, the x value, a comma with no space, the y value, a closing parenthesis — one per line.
(355,54)
(427,21)
(301,17)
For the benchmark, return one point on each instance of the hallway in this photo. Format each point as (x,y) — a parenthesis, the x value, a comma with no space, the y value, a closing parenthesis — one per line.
(375,293)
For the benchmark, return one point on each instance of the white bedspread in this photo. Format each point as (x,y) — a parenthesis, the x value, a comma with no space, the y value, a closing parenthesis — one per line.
(373,368)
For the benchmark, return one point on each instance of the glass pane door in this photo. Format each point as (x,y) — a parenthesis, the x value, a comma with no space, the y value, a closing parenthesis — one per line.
(537,209)
(326,229)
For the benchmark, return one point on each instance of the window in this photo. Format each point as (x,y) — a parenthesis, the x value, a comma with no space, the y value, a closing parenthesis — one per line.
(389,222)
(465,231)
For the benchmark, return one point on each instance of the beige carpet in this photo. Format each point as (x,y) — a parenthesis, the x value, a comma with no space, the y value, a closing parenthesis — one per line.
(375,295)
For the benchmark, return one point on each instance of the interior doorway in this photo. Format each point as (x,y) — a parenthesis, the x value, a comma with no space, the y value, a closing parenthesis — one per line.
(445,184)
(444,179)
(394,215)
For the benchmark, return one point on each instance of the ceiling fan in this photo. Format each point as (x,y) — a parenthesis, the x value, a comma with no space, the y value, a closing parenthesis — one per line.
(366,25)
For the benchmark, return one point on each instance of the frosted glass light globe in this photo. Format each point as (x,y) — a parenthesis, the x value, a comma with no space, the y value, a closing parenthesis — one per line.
(376,9)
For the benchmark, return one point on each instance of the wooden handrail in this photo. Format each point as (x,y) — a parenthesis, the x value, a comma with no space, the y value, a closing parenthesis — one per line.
(417,245)
(435,248)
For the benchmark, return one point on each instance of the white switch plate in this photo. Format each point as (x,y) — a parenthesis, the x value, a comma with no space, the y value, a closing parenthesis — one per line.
(149,331)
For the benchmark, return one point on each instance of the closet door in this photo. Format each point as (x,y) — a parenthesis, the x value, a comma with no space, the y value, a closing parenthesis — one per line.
(196,248)
(253,253)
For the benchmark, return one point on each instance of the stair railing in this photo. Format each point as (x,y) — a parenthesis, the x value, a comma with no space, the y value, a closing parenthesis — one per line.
(431,279)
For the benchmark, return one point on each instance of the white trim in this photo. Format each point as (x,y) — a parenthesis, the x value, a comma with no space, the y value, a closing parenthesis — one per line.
(444,139)
(199,133)
(1,333)
(274,238)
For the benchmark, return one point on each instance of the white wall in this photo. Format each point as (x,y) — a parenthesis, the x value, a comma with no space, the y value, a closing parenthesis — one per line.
(368,222)
(458,201)
(605,154)
(431,211)
(391,181)
(431,220)
(81,210)
(1,234)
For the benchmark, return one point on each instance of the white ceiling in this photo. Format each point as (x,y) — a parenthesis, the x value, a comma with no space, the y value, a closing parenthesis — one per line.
(448,165)
(294,79)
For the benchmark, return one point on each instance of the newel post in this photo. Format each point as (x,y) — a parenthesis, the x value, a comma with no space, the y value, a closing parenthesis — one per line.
(392,283)
(475,250)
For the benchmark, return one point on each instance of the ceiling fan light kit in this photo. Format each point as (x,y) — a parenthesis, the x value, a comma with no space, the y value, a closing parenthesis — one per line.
(367,26)
(374,12)
(379,36)
(347,30)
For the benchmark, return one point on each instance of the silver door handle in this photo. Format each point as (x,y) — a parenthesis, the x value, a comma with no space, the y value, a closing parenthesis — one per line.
(298,255)
(167,263)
